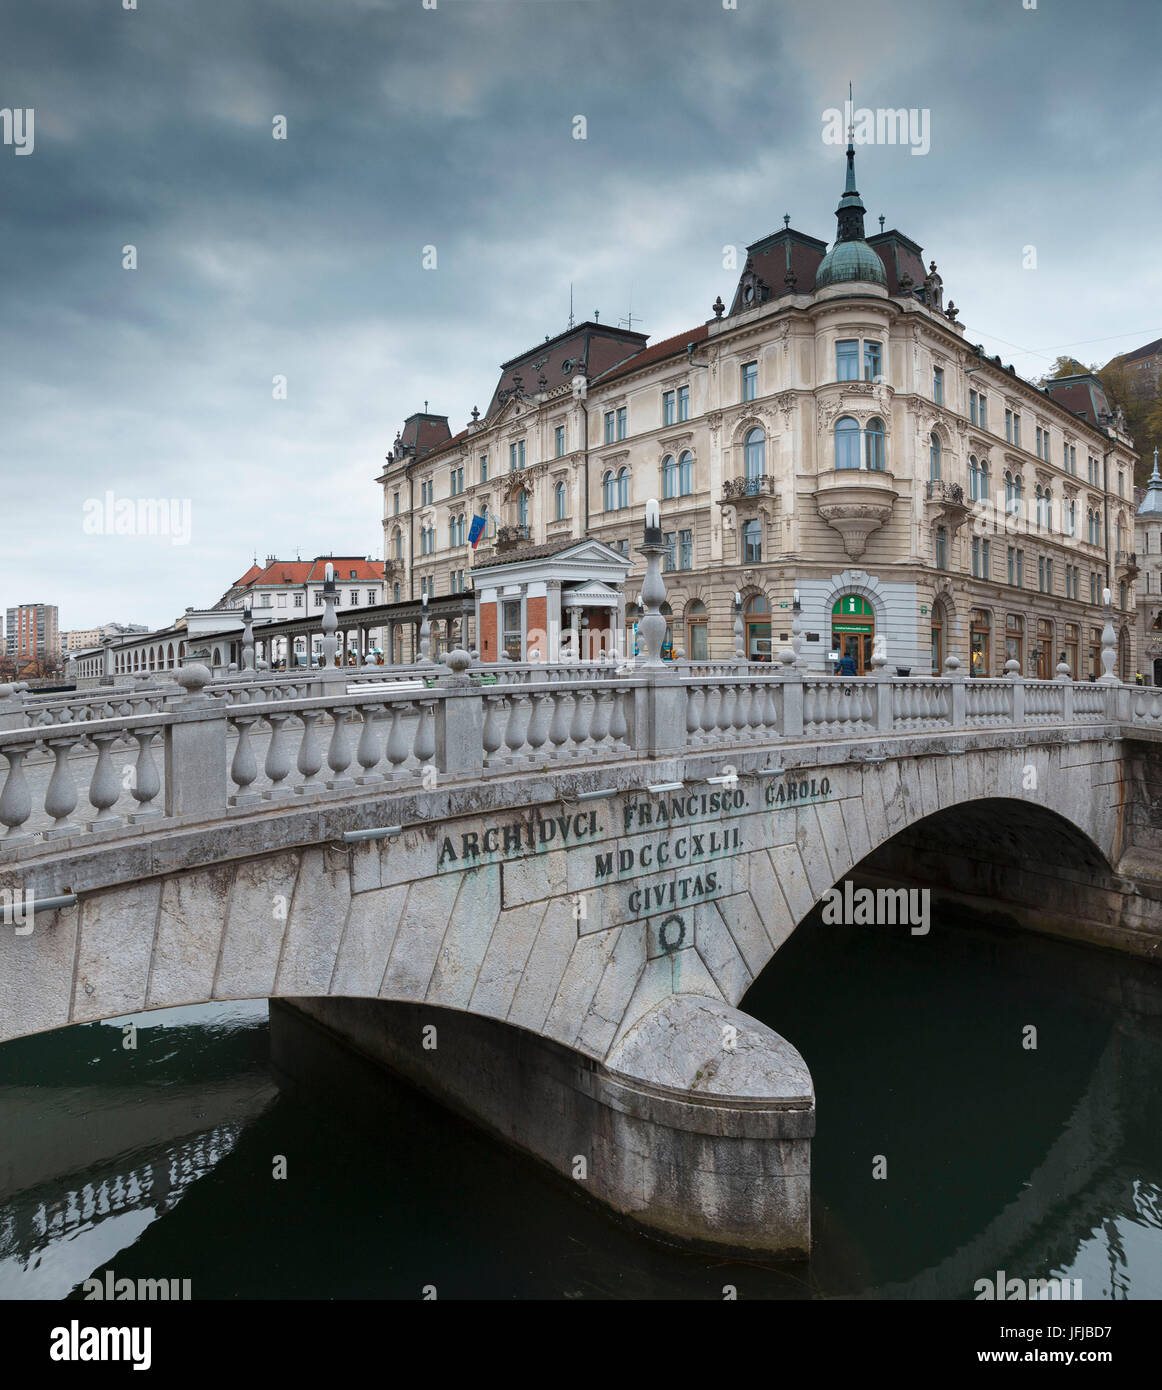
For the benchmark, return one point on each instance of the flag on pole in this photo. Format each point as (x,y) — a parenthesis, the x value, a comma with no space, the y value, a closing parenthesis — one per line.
(475,531)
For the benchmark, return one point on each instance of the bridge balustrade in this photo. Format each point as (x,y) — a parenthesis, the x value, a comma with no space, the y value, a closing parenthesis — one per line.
(195,751)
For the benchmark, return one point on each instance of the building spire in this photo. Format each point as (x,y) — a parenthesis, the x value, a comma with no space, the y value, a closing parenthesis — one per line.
(850,212)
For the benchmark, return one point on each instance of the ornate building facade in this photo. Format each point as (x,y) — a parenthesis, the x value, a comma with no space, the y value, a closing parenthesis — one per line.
(831,439)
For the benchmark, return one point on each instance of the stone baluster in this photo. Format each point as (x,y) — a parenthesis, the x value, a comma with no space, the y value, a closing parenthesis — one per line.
(16,799)
(538,730)
(695,697)
(582,718)
(494,723)
(104,789)
(368,752)
(514,729)
(602,714)
(310,755)
(146,782)
(425,744)
(277,765)
(618,728)
(726,708)
(244,767)
(559,726)
(711,702)
(60,800)
(339,751)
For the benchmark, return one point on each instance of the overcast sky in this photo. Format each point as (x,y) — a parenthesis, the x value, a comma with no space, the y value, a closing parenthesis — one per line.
(453,127)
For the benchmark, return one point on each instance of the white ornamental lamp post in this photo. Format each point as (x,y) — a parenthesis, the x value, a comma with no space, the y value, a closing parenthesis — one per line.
(652,624)
(330,622)
(1109,642)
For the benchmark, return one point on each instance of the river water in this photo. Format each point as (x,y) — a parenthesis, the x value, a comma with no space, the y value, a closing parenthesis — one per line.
(157,1160)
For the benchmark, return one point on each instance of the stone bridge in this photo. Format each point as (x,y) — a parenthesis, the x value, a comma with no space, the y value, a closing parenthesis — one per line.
(542,893)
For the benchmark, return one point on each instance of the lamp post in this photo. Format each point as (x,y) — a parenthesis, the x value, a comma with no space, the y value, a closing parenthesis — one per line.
(739,652)
(652,624)
(1109,642)
(797,632)
(330,622)
(425,631)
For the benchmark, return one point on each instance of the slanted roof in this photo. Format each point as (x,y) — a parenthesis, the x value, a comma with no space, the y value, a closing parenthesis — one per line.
(589,350)
(1083,394)
(666,347)
(1150,350)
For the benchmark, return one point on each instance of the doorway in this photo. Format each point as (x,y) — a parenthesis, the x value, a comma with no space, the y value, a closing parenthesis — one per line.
(853,630)
(757,619)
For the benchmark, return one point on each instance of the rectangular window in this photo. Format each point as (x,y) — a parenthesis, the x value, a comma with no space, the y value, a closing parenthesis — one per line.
(1012,563)
(609,427)
(1016,428)
(318,598)
(667,407)
(1121,484)
(872,364)
(371,596)
(976,557)
(511,636)
(395,504)
(683,403)
(298,600)
(354,598)
(668,541)
(1009,425)
(750,380)
(483,468)
(621,422)
(847,359)
(559,440)
(685,550)
(985,568)
(983,407)
(938,385)
(1020,569)
(972,416)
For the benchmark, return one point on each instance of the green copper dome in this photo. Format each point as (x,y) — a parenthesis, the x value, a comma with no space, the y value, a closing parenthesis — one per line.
(850,260)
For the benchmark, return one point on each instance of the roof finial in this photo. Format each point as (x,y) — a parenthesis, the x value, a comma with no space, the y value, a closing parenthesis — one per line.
(786,219)
(883,219)
(850,116)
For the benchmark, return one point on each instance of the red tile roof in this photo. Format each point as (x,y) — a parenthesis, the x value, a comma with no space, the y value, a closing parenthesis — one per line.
(305,571)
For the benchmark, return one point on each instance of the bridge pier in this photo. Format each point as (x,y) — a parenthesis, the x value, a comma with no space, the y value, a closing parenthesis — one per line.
(696,1128)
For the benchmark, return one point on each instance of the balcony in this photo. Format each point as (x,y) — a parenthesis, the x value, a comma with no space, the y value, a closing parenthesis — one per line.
(736,490)
(855,502)
(1127,560)
(946,503)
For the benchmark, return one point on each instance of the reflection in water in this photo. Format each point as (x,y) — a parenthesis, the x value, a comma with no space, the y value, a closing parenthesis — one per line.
(1041,1162)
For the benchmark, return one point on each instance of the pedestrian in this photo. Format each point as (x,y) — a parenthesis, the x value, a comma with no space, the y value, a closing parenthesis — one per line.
(846,665)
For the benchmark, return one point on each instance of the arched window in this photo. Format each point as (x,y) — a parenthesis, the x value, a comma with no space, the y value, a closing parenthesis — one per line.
(756,614)
(755,453)
(669,477)
(846,442)
(934,457)
(874,445)
(559,502)
(752,542)
(623,488)
(1010,494)
(686,474)
(1047,504)
(522,509)
(973,478)
(608,492)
